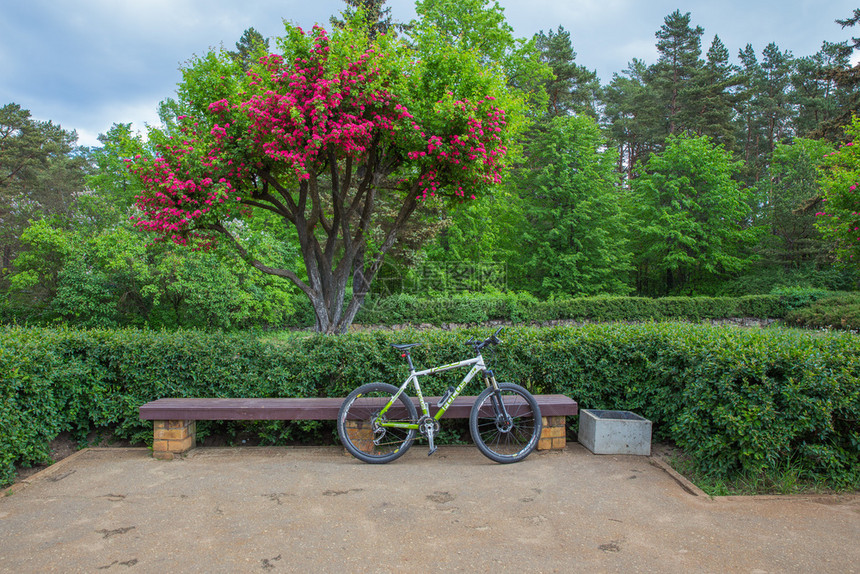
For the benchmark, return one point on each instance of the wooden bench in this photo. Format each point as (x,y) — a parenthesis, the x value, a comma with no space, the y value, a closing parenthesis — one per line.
(174,420)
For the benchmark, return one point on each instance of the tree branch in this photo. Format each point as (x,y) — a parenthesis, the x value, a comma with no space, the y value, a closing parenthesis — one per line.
(257,264)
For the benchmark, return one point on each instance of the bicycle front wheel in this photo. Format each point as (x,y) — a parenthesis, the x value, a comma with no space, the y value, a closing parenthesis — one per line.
(506,434)
(360,428)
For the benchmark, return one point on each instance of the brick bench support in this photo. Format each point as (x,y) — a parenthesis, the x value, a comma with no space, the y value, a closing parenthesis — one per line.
(174,420)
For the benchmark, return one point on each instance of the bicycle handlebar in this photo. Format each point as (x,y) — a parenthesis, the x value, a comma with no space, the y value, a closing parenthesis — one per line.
(491,340)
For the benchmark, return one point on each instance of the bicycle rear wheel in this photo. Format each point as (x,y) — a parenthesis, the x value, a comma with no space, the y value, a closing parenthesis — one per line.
(358,423)
(509,435)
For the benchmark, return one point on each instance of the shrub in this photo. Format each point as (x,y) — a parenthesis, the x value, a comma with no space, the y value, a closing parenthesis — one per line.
(738,400)
(524,308)
(837,311)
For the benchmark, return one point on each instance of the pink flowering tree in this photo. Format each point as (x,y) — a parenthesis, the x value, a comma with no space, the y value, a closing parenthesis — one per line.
(838,212)
(316,138)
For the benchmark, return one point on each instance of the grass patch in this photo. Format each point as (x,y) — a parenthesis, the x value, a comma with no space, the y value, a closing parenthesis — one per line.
(789,478)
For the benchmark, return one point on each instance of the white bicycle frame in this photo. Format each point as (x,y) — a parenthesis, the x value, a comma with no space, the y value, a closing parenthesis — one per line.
(479,366)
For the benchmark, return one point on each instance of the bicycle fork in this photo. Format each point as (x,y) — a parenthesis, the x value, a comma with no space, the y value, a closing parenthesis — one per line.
(504,422)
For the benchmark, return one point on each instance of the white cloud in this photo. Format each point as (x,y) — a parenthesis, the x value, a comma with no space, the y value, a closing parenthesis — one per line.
(87,64)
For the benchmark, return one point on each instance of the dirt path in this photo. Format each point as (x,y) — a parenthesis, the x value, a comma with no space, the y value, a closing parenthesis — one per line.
(315,509)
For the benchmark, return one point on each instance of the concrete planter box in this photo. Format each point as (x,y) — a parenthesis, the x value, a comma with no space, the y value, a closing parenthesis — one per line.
(614,432)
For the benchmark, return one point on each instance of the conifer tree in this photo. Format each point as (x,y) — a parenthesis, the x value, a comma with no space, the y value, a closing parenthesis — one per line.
(846,79)
(819,98)
(714,94)
(377,16)
(574,88)
(765,110)
(680,48)
(250,46)
(633,111)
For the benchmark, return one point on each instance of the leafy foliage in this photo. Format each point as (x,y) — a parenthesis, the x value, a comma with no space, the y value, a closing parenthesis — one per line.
(836,311)
(739,401)
(41,171)
(839,215)
(108,278)
(469,308)
(571,242)
(692,213)
(314,135)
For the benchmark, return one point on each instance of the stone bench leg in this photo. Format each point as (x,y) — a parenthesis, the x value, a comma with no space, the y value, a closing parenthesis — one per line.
(554,433)
(173,438)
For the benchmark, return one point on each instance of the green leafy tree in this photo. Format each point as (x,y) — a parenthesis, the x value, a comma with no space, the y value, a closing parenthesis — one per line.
(480,27)
(794,176)
(107,277)
(838,215)
(41,172)
(477,248)
(692,216)
(321,138)
(573,242)
(110,190)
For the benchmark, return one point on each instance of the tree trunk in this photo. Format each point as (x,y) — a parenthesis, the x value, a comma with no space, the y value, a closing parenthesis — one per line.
(333,247)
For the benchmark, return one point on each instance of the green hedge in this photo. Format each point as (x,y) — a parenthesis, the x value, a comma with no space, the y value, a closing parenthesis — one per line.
(737,400)
(523,308)
(836,311)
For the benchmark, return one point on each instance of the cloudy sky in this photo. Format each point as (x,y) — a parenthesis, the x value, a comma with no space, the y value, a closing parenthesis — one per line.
(86,64)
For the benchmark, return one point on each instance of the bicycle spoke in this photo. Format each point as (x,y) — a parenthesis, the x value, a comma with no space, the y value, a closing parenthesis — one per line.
(361,423)
(506,438)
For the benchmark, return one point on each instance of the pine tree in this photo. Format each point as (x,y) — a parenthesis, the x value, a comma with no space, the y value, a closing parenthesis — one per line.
(817,94)
(746,119)
(634,114)
(574,88)
(765,110)
(378,17)
(846,79)
(713,91)
(680,48)
(250,46)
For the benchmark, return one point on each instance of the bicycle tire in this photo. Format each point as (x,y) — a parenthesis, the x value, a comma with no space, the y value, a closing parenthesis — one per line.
(355,426)
(511,440)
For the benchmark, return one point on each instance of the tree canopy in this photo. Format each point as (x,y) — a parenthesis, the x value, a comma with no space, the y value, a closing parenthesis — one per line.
(839,214)
(321,135)
(439,156)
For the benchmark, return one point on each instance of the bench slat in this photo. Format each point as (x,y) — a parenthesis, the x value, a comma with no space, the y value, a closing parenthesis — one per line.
(309,408)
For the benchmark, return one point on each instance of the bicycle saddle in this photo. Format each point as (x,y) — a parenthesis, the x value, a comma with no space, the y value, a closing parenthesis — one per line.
(405,346)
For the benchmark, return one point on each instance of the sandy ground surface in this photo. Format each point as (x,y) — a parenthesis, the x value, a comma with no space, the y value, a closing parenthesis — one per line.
(318,510)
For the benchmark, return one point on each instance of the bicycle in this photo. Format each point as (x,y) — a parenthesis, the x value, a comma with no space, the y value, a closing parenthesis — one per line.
(378,422)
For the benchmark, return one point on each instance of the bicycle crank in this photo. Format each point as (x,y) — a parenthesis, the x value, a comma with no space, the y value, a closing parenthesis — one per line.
(429,427)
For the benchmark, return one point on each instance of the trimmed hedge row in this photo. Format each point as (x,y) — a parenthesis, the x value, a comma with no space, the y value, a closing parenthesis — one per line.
(524,308)
(836,311)
(737,400)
